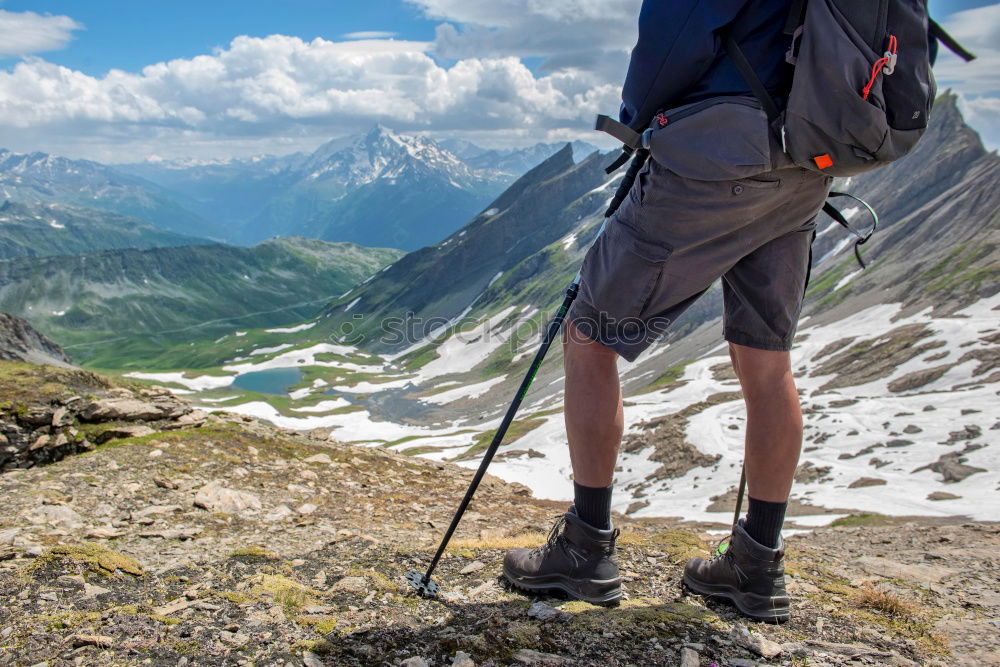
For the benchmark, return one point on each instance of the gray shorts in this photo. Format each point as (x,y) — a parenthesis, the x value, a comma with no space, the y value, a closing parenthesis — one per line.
(674,236)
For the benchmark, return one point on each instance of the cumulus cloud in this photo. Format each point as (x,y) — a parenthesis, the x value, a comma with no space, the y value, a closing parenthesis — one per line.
(279,85)
(24,33)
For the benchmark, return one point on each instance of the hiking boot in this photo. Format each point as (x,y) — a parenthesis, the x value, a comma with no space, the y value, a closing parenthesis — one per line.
(577,559)
(748,574)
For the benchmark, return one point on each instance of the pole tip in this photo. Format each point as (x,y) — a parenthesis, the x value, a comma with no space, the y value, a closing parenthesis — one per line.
(425,586)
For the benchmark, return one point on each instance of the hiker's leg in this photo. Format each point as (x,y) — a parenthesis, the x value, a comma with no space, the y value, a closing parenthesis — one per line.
(586,570)
(774,421)
(593,412)
(594,423)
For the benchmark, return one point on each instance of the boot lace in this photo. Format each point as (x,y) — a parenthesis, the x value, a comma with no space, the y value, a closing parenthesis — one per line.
(725,555)
(555,539)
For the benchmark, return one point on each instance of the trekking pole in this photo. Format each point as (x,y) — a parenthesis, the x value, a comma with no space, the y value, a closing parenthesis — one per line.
(422,582)
(739,495)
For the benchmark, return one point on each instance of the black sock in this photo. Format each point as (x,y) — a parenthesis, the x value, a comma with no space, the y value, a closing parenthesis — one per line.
(593,505)
(764,521)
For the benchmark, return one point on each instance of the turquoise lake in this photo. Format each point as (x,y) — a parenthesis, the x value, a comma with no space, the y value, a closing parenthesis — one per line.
(272,381)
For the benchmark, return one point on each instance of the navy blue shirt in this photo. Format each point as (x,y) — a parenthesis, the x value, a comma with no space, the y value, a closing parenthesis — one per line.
(679,56)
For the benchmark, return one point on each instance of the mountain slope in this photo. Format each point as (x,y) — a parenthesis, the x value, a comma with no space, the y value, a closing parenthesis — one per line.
(45,229)
(443,281)
(192,537)
(39,177)
(174,294)
(19,341)
(381,189)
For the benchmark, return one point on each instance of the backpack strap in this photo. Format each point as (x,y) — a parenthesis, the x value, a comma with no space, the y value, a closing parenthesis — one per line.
(838,217)
(939,33)
(750,76)
(795,16)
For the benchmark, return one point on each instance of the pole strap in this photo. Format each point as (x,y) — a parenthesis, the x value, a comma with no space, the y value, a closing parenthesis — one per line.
(619,131)
(750,76)
(939,33)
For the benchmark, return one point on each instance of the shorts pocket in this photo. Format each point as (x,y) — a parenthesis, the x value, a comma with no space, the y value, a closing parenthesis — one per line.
(720,142)
(621,272)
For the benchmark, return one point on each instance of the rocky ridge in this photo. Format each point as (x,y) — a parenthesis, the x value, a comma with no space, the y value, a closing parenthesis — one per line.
(19,341)
(228,541)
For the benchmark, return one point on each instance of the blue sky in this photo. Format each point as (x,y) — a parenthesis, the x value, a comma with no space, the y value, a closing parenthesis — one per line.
(229,78)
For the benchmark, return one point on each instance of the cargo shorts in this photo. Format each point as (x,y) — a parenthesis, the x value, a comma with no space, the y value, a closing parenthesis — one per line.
(674,236)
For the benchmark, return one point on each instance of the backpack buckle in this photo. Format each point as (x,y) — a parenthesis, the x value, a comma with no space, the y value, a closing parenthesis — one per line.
(890,65)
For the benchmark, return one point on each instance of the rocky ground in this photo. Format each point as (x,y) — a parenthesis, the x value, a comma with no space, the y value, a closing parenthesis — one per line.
(211,539)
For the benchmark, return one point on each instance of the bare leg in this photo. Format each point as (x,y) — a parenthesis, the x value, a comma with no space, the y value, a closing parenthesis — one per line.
(593,408)
(774,421)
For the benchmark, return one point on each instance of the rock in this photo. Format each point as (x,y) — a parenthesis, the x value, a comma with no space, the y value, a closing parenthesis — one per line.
(356,585)
(214,497)
(61,417)
(310,659)
(474,566)
(482,589)
(543,612)
(40,442)
(759,644)
(689,658)
(916,573)
(92,591)
(99,641)
(307,508)
(7,536)
(280,513)
(414,662)
(165,483)
(951,467)
(742,662)
(104,533)
(33,551)
(56,516)
(866,481)
(121,432)
(193,419)
(526,656)
(462,659)
(916,379)
(942,495)
(174,533)
(125,409)
(319,458)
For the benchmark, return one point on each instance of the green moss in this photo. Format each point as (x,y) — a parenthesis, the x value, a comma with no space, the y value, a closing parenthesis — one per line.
(254,552)
(96,557)
(67,620)
(285,591)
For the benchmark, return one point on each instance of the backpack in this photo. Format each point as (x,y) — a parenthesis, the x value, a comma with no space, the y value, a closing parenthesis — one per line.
(862,88)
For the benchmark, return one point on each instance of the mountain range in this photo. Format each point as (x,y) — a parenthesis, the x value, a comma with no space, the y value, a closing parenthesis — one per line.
(110,306)
(45,229)
(377,189)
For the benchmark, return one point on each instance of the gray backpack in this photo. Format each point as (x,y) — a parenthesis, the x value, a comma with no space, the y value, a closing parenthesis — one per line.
(862,89)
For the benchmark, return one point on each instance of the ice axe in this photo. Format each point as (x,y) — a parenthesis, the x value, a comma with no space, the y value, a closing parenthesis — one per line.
(422,582)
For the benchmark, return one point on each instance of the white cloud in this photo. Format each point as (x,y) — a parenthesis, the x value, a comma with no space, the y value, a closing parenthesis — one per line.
(978,82)
(24,33)
(369,34)
(281,86)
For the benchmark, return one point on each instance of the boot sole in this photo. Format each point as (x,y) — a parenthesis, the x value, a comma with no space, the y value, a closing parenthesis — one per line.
(757,607)
(557,582)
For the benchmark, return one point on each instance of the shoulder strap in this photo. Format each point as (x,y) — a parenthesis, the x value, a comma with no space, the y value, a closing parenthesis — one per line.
(751,78)
(938,33)
(795,16)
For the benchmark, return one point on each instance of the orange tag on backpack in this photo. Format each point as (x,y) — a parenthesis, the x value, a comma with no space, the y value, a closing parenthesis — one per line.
(823,161)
